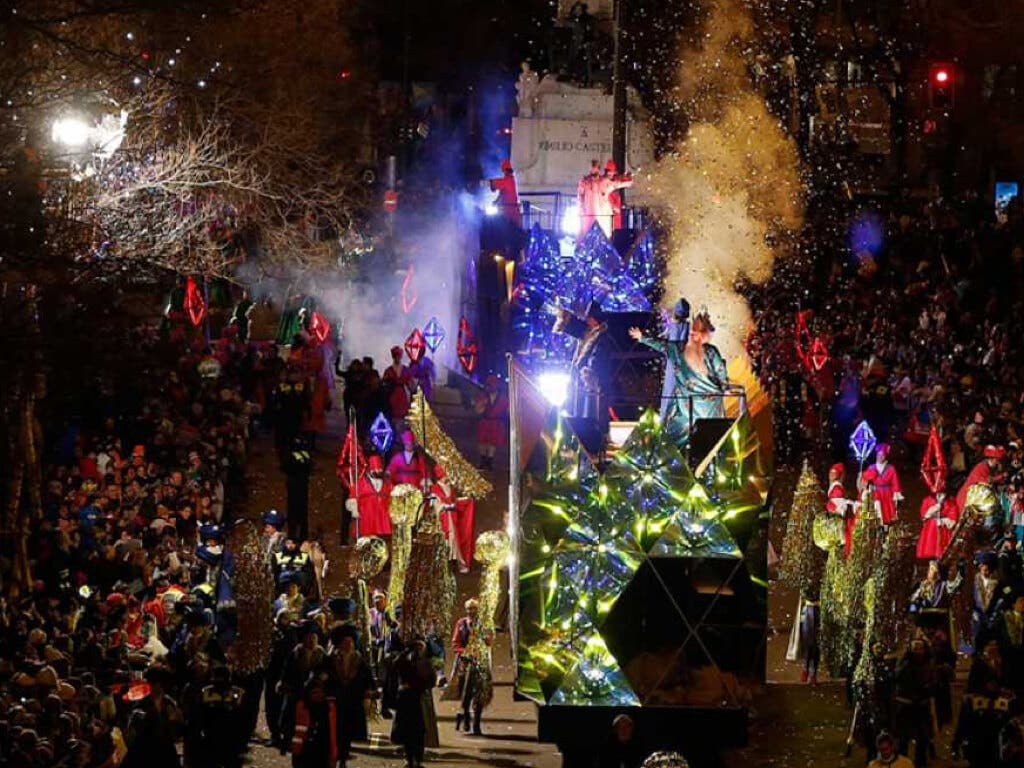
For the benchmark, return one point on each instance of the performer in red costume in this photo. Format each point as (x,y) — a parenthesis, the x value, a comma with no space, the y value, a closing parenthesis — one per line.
(611,171)
(408,465)
(508,194)
(372,501)
(396,380)
(593,196)
(885,485)
(445,504)
(985,471)
(939,514)
(841,506)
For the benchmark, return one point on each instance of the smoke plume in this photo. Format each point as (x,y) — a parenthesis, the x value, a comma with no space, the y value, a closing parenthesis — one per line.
(730,190)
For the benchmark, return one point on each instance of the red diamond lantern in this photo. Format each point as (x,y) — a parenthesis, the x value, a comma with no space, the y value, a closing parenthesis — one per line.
(819,354)
(467,347)
(933,465)
(414,345)
(319,327)
(194,304)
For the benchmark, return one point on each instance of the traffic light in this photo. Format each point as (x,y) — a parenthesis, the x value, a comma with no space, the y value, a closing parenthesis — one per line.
(941,86)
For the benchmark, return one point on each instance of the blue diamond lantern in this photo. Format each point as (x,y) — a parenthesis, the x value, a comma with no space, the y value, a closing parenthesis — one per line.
(862,441)
(433,334)
(381,433)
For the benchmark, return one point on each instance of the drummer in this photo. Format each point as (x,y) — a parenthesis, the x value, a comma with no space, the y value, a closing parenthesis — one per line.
(839,505)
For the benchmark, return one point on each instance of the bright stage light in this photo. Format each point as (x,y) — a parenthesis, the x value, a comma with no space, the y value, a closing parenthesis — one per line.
(70,131)
(490,209)
(571,220)
(555,387)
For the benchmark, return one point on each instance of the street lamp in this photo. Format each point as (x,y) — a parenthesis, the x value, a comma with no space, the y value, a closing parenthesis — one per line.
(70,131)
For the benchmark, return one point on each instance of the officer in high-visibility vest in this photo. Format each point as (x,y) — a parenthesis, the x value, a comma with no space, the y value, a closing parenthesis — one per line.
(290,400)
(298,466)
(292,561)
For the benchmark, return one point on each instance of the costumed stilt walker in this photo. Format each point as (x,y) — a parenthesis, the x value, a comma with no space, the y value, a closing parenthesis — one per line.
(701,378)
(828,536)
(884,482)
(472,679)
(429,598)
(857,570)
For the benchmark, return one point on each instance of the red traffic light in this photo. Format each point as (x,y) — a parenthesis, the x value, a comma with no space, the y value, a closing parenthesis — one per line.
(941,76)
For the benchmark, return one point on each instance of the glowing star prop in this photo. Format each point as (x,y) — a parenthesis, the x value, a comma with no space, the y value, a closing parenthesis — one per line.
(319,328)
(467,347)
(414,345)
(381,433)
(585,539)
(433,334)
(194,303)
(863,442)
(933,465)
(409,294)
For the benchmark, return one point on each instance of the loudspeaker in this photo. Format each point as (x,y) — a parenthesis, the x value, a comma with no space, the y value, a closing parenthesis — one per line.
(704,437)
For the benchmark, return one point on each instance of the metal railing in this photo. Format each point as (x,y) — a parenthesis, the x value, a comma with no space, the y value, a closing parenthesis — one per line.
(548,209)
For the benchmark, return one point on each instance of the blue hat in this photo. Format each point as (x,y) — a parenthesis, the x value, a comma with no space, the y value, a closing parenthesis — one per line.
(209,531)
(273,518)
(289,577)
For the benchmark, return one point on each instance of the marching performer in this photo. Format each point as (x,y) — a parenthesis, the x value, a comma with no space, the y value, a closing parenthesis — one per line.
(372,500)
(988,470)
(939,514)
(443,496)
(884,481)
(839,505)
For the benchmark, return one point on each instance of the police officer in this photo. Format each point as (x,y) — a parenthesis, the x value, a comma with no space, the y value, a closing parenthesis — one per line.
(290,400)
(298,466)
(223,726)
(292,560)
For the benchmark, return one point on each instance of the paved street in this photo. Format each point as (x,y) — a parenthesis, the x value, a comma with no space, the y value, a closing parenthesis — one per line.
(510,728)
(792,724)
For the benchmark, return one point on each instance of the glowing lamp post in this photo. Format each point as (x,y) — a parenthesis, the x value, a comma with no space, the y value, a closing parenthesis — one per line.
(71,132)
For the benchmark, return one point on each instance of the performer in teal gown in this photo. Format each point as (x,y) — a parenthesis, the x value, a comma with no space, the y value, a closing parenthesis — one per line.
(700,377)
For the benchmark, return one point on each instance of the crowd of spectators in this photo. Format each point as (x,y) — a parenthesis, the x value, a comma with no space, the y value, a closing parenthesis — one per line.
(138,492)
(919,322)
